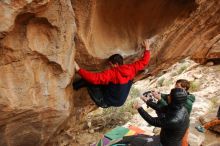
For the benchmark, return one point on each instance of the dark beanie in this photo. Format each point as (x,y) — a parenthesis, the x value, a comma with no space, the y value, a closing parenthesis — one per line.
(178,96)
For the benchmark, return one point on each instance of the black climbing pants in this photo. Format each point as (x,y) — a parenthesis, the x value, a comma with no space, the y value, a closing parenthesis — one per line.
(95,92)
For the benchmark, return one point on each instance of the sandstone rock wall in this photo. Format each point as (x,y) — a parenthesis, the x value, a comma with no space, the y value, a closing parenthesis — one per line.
(108,27)
(36,68)
(178,29)
(197,36)
(40,39)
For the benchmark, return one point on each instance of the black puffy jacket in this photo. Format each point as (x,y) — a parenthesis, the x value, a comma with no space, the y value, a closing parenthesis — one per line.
(173,125)
(175,119)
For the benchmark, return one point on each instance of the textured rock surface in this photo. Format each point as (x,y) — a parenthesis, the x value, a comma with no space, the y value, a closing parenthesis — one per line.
(108,27)
(105,28)
(37,47)
(36,59)
(197,36)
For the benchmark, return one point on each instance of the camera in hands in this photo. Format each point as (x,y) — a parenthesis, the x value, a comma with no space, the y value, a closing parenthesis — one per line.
(149,95)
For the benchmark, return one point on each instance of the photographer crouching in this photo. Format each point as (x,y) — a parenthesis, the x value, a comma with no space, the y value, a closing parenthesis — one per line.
(175,119)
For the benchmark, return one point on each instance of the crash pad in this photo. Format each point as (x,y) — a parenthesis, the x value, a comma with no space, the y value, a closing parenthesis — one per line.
(117,133)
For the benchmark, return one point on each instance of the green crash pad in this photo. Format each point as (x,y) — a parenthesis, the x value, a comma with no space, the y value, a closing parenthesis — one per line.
(117,133)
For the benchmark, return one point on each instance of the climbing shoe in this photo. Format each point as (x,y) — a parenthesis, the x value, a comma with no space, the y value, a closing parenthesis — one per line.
(200,128)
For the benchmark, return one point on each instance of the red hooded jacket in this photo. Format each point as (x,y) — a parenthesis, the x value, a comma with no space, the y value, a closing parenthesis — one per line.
(118,79)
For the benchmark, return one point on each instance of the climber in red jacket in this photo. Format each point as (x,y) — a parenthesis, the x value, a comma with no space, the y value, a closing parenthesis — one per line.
(111,87)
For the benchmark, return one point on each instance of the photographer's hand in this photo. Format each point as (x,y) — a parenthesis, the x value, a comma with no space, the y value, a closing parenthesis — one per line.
(136,105)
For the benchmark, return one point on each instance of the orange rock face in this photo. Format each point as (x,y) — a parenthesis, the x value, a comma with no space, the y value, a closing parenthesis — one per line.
(196,36)
(40,39)
(105,28)
(178,29)
(36,68)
